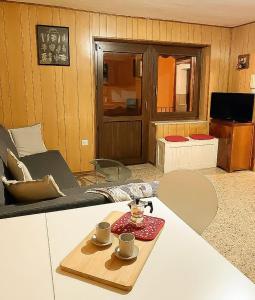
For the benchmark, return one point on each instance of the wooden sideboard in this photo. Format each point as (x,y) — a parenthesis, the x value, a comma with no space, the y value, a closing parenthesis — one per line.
(235,150)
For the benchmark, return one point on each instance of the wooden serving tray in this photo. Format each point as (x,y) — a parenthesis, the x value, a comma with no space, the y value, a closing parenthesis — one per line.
(100,263)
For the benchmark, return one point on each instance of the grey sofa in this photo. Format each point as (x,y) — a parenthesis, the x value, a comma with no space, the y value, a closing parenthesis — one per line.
(39,165)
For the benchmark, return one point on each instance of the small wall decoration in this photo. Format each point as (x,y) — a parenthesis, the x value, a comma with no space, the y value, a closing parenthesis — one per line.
(53,45)
(243,61)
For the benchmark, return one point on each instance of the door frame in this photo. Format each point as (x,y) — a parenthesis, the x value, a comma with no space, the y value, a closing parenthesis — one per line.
(101,46)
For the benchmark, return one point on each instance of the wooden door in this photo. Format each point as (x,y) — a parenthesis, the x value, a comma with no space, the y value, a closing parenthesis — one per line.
(122,118)
(241,157)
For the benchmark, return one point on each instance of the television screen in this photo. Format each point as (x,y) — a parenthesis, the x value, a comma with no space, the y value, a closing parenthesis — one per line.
(232,106)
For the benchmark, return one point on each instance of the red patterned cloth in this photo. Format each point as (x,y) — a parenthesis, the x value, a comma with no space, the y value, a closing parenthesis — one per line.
(147,232)
(201,137)
(176,138)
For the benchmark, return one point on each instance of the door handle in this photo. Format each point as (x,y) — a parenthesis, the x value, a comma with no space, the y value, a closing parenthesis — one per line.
(146,105)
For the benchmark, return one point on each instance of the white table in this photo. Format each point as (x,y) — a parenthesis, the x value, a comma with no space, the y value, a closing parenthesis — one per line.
(25,269)
(182,266)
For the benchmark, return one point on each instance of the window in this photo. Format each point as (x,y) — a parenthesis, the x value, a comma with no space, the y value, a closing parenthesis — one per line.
(122,84)
(176,83)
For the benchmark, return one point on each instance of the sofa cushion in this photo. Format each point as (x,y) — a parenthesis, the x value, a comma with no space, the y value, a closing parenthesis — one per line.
(75,197)
(28,140)
(17,168)
(6,143)
(33,190)
(50,162)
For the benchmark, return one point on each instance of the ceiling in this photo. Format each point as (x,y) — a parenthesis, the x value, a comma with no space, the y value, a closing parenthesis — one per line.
(212,12)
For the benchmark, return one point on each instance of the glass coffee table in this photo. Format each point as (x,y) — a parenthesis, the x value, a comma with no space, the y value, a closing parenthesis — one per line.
(112,170)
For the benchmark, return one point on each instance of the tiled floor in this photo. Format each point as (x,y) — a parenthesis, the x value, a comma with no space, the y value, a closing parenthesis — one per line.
(232,232)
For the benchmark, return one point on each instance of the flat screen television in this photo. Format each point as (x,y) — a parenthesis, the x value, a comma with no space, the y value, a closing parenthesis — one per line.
(236,107)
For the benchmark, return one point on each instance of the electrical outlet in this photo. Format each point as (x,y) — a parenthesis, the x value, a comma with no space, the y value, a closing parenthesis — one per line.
(84,142)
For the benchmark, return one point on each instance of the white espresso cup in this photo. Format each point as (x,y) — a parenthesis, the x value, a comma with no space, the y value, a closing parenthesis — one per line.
(103,232)
(126,244)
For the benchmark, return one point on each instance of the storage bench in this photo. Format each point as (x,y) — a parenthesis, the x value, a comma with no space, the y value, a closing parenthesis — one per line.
(192,154)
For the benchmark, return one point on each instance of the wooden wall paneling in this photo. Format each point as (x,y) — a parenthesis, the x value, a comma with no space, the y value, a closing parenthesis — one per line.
(250,47)
(6,117)
(84,85)
(176,32)
(91,149)
(184,33)
(192,128)
(180,129)
(197,34)
(242,42)
(149,30)
(142,30)
(35,68)
(111,26)
(95,24)
(135,28)
(155,30)
(48,83)
(159,130)
(67,18)
(252,52)
(14,56)
(235,49)
(60,105)
(226,40)
(165,129)
(129,28)
(121,27)
(102,25)
(162,31)
(169,28)
(206,35)
(186,129)
(27,60)
(215,54)
(191,29)
(171,129)
(204,83)
(202,128)
(245,40)
(238,46)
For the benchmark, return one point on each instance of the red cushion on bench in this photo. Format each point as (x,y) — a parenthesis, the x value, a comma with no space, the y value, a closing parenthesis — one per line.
(201,137)
(176,138)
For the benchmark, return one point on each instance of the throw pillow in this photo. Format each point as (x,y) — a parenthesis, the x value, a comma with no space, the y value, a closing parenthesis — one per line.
(17,168)
(28,140)
(176,138)
(34,190)
(128,192)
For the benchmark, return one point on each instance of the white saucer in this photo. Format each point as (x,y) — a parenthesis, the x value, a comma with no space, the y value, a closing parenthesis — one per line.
(95,241)
(134,255)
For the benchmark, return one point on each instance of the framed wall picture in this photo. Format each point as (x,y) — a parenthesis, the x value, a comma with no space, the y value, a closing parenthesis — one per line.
(243,61)
(53,45)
